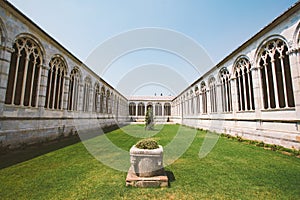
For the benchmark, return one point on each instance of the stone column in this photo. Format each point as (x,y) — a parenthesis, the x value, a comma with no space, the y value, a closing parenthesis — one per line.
(66,93)
(273,69)
(257,90)
(234,95)
(90,100)
(104,104)
(136,109)
(113,105)
(200,104)
(294,56)
(181,110)
(80,98)
(43,85)
(117,109)
(208,102)
(219,98)
(97,102)
(5,56)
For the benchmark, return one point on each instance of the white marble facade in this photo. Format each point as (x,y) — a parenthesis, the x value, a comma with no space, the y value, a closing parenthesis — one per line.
(254,92)
(160,105)
(46,92)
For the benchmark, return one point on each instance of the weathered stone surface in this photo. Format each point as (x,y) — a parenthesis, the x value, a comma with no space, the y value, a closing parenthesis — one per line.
(146,168)
(161,180)
(146,162)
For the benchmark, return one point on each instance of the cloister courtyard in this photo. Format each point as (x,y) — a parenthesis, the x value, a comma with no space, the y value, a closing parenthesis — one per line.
(234,169)
(231,132)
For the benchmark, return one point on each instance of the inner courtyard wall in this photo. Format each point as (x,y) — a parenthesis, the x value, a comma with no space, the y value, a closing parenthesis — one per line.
(22,124)
(274,116)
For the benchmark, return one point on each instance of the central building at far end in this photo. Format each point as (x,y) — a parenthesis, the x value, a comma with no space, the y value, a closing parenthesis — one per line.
(161,107)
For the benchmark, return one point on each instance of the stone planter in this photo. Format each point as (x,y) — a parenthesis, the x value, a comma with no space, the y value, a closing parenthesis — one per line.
(146,169)
(146,162)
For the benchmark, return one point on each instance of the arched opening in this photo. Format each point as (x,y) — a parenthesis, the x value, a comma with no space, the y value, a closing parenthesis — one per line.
(74,89)
(213,94)
(277,87)
(132,109)
(225,90)
(55,83)
(243,75)
(149,108)
(158,109)
(141,109)
(24,73)
(167,109)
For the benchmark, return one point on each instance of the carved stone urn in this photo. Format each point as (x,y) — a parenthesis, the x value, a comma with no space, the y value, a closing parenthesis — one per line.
(146,162)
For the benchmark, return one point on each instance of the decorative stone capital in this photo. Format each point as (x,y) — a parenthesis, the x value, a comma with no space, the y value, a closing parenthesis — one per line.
(290,43)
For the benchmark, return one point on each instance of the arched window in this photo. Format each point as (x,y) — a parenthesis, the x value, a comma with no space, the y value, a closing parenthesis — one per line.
(24,73)
(213,94)
(107,101)
(86,94)
(74,89)
(55,84)
(141,109)
(102,97)
(204,97)
(167,109)
(96,101)
(158,109)
(225,90)
(244,84)
(132,109)
(276,78)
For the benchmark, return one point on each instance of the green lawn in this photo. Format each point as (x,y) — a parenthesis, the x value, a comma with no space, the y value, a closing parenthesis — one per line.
(232,170)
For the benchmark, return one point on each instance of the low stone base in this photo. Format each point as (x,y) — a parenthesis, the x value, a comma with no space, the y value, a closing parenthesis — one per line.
(156,181)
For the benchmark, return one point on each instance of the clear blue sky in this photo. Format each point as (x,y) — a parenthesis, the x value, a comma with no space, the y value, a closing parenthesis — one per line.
(219,26)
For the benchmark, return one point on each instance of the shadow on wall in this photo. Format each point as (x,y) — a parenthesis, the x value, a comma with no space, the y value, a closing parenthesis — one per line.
(11,157)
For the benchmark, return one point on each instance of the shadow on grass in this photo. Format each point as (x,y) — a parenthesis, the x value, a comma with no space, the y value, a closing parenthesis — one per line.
(11,157)
(171,177)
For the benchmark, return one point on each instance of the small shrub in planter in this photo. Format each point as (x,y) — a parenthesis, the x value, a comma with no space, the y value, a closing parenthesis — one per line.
(149,120)
(147,144)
